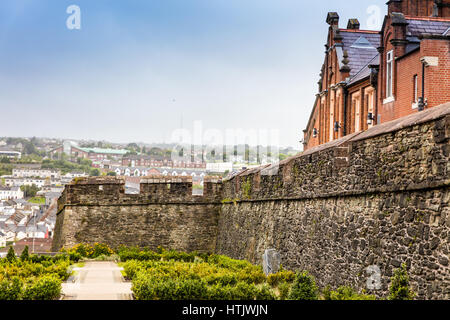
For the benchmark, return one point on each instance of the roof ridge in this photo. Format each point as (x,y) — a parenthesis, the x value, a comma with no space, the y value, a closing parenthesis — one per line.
(360,31)
(427,18)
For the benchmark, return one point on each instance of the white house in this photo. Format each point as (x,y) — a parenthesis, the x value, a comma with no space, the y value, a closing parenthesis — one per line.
(18,182)
(41,173)
(2,239)
(11,193)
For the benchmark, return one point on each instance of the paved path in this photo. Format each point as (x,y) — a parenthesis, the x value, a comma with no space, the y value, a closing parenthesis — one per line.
(97,281)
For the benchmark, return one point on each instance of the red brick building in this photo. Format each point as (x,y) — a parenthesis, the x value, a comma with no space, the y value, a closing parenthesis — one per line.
(371,77)
(159,162)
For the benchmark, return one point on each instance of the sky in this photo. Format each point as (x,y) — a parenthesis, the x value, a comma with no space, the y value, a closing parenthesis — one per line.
(139,70)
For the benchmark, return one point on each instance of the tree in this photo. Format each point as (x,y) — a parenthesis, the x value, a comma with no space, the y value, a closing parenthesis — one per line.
(11,256)
(25,255)
(30,191)
(95,172)
(111,174)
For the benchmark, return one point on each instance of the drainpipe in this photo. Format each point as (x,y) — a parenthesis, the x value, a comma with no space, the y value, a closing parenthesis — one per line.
(344,125)
(421,102)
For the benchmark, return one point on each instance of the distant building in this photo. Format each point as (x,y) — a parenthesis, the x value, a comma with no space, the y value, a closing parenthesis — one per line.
(159,162)
(94,154)
(219,167)
(34,172)
(10,154)
(11,193)
(18,182)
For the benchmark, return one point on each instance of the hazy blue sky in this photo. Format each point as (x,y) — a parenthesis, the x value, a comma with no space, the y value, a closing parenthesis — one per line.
(137,67)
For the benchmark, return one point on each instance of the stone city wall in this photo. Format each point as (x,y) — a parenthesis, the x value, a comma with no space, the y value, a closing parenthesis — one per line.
(165,213)
(378,198)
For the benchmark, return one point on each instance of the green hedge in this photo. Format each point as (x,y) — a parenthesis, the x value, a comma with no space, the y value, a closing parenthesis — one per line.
(33,277)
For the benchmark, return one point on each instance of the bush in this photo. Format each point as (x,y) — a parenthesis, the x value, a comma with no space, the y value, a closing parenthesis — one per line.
(399,288)
(284,289)
(346,293)
(265,293)
(304,287)
(46,288)
(88,251)
(191,289)
(11,289)
(243,291)
(150,288)
(283,276)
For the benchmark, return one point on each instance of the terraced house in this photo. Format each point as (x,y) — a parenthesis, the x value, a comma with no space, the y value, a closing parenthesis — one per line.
(371,77)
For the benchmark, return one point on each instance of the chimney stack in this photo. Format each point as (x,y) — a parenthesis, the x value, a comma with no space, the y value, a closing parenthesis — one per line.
(399,36)
(333,19)
(394,6)
(353,24)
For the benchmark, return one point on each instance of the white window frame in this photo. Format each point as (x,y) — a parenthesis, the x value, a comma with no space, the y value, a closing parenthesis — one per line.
(389,77)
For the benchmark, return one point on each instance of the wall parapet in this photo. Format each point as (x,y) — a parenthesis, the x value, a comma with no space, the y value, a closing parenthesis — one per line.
(95,191)
(385,158)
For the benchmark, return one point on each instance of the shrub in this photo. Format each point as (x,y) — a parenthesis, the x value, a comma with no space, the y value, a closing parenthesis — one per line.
(11,289)
(11,256)
(265,293)
(88,251)
(346,293)
(284,289)
(150,288)
(191,289)
(283,276)
(101,249)
(399,288)
(304,287)
(243,291)
(131,268)
(25,256)
(45,288)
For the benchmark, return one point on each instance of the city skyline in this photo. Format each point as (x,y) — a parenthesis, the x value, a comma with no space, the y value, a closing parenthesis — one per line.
(137,72)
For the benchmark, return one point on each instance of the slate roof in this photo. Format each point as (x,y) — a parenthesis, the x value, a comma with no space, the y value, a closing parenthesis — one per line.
(417,27)
(365,71)
(361,47)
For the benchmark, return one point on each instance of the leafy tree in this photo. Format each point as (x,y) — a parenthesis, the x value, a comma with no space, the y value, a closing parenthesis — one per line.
(399,288)
(304,287)
(30,191)
(111,174)
(5,160)
(25,255)
(11,256)
(95,172)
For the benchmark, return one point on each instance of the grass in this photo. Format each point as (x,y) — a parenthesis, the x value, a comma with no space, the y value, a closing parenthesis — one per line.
(37,200)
